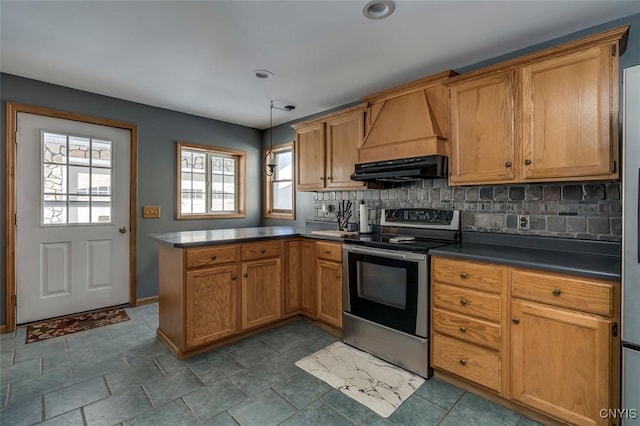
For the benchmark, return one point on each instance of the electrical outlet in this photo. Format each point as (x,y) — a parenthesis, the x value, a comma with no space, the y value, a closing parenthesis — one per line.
(151,212)
(523,221)
(327,210)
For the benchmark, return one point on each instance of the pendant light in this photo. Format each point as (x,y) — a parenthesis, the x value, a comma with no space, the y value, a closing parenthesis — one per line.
(270,158)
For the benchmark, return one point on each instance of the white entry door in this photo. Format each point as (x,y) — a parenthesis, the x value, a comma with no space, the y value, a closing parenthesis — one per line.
(72,241)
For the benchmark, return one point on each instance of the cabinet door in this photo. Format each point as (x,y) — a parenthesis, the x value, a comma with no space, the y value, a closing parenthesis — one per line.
(483,133)
(293,273)
(329,281)
(567,115)
(211,304)
(308,280)
(344,136)
(261,297)
(560,361)
(310,155)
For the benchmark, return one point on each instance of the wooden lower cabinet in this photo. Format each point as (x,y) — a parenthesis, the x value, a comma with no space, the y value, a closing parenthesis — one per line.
(546,341)
(308,288)
(212,304)
(261,292)
(560,361)
(293,271)
(329,281)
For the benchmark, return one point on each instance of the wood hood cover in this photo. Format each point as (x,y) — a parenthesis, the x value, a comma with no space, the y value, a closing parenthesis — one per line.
(411,120)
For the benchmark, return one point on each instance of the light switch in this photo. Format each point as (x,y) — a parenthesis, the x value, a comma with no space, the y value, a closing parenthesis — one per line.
(151,212)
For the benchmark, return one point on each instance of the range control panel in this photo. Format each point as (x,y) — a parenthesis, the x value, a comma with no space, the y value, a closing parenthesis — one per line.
(421,218)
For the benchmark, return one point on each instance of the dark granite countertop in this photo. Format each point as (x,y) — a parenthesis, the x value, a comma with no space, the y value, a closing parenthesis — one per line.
(207,237)
(593,259)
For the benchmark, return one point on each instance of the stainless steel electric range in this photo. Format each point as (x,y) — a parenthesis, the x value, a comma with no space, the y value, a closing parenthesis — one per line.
(386,295)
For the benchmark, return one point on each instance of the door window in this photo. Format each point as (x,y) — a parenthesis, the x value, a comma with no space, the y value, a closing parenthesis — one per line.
(76,179)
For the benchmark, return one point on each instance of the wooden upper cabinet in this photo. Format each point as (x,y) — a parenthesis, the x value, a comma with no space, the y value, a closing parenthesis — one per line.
(326,150)
(310,156)
(344,136)
(544,117)
(567,108)
(483,136)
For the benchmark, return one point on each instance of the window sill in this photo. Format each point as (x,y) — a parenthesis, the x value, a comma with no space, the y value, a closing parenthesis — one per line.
(211,216)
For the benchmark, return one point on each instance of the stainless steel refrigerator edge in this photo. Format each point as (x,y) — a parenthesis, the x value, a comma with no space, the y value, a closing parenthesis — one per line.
(630,255)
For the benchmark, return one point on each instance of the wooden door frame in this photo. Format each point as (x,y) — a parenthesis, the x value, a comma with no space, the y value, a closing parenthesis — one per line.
(10,198)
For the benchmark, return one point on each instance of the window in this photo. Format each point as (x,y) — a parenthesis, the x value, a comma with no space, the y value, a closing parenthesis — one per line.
(279,188)
(76,179)
(210,182)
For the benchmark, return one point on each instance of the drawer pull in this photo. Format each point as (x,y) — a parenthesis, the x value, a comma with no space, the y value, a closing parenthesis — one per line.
(463,362)
(463,275)
(214,257)
(515,320)
(233,277)
(463,329)
(556,292)
(245,275)
(463,302)
(327,252)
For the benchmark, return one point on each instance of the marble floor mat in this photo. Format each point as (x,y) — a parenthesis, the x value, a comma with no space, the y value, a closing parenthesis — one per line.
(381,386)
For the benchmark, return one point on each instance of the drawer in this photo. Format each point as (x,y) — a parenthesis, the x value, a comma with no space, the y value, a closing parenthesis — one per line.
(476,275)
(329,251)
(261,250)
(208,256)
(471,362)
(463,327)
(467,301)
(583,294)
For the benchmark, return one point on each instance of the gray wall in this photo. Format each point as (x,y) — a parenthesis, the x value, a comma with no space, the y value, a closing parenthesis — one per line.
(570,210)
(159,129)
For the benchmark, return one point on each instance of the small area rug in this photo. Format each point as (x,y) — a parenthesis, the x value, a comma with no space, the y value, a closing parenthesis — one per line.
(74,323)
(381,386)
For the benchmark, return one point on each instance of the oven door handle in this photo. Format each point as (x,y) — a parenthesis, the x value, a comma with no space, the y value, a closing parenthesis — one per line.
(391,254)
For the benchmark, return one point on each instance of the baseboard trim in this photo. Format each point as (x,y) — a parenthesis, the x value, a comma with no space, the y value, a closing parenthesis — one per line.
(146,300)
(3,329)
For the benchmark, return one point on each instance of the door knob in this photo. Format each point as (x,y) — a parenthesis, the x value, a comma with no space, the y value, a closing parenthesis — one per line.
(122,229)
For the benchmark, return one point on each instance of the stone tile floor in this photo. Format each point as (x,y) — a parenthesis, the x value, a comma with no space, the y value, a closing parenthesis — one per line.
(121,374)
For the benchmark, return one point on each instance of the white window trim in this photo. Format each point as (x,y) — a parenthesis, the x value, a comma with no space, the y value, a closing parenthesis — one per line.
(268,212)
(241,190)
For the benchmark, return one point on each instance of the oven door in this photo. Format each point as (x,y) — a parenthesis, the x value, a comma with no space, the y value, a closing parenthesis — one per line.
(387,287)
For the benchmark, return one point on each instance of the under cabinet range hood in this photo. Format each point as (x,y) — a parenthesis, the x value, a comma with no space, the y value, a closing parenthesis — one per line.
(402,170)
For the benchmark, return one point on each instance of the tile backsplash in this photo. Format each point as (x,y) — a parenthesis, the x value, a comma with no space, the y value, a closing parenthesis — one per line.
(571,210)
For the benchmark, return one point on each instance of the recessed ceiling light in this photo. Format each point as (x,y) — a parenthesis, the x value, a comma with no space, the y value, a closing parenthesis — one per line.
(378,9)
(263,74)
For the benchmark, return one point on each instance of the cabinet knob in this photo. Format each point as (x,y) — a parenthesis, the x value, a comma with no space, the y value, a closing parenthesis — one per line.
(527,162)
(463,329)
(263,250)
(463,275)
(327,252)
(337,276)
(245,275)
(515,320)
(507,164)
(233,277)
(330,178)
(556,292)
(463,301)
(463,362)
(213,257)
(321,178)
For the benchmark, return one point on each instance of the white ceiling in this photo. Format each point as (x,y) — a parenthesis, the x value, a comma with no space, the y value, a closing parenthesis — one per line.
(198,57)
